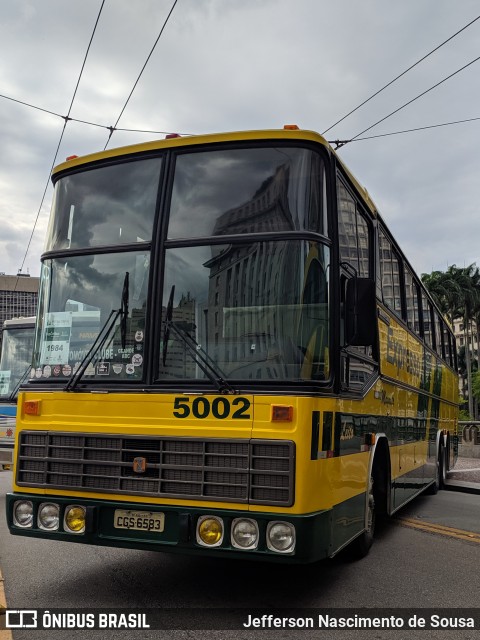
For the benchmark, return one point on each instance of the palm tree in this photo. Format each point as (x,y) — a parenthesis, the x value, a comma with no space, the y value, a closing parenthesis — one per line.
(457,293)
(446,291)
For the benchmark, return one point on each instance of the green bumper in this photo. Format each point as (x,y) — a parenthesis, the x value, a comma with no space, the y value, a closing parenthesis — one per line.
(313,531)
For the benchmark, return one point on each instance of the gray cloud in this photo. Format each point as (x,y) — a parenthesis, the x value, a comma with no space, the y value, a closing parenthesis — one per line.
(224,65)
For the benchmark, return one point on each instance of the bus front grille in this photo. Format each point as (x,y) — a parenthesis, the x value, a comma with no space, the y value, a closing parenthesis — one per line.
(248,471)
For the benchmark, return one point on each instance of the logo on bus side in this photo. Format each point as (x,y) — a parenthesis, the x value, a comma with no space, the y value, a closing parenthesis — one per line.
(402,357)
(139,465)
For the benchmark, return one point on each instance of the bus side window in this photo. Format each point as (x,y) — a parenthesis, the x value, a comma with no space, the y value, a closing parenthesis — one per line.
(412,298)
(390,275)
(427,320)
(353,234)
(354,239)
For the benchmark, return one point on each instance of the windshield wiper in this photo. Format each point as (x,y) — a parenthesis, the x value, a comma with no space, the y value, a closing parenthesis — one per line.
(124,310)
(102,336)
(198,355)
(13,393)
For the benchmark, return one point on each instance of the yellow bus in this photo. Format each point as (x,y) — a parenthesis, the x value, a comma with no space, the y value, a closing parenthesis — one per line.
(233,357)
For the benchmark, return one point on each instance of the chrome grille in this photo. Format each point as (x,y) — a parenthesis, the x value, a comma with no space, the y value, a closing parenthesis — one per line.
(254,471)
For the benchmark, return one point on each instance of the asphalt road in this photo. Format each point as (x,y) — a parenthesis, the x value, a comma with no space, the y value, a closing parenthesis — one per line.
(407,568)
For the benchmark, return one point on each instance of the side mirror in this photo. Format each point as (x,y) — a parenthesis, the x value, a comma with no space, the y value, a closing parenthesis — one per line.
(360,312)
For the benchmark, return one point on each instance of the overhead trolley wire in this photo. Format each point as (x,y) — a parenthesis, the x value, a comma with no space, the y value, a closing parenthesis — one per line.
(66,120)
(344,142)
(401,74)
(114,128)
(340,143)
(32,106)
(336,142)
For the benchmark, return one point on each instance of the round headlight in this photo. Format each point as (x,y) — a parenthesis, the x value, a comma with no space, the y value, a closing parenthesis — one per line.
(23,513)
(74,520)
(281,537)
(210,531)
(48,516)
(244,533)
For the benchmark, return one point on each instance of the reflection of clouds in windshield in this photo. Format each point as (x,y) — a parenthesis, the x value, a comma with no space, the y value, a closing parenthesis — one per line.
(209,184)
(94,280)
(185,270)
(111,205)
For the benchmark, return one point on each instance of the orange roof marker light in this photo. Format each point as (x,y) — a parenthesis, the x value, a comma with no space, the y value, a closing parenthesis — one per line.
(70,158)
(169,136)
(291,127)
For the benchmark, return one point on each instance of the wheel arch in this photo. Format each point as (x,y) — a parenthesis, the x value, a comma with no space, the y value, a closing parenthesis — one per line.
(380,471)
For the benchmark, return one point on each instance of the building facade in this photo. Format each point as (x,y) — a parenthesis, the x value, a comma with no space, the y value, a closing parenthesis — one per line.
(18,296)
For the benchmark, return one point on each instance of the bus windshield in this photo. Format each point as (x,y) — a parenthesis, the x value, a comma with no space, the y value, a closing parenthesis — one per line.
(240,271)
(255,311)
(16,359)
(79,296)
(254,308)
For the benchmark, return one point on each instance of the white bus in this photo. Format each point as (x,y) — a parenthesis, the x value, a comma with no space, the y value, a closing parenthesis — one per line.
(15,362)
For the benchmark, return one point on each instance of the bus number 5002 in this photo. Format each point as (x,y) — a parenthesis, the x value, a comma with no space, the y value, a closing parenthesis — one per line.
(219,408)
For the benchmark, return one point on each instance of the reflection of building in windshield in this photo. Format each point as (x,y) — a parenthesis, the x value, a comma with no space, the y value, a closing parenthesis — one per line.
(249,327)
(179,362)
(251,310)
(267,210)
(250,317)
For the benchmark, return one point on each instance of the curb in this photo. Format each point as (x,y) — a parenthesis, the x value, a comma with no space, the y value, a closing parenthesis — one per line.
(460,485)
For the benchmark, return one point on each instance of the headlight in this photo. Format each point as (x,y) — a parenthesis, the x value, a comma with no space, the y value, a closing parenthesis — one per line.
(74,519)
(244,533)
(210,531)
(23,513)
(48,516)
(281,537)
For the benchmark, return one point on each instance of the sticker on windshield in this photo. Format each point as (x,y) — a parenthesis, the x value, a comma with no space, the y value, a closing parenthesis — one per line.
(56,338)
(103,369)
(137,360)
(5,382)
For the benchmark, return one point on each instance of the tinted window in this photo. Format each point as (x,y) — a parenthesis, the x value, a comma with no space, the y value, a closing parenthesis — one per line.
(82,297)
(438,335)
(427,320)
(258,311)
(411,296)
(353,234)
(448,345)
(390,274)
(105,206)
(257,190)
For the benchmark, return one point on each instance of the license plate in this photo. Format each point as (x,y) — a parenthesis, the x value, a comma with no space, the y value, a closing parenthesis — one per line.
(139,520)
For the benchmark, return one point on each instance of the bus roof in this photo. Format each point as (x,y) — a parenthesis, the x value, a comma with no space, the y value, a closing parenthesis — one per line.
(289,133)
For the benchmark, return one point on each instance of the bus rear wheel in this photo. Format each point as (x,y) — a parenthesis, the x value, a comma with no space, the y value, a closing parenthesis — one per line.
(440,473)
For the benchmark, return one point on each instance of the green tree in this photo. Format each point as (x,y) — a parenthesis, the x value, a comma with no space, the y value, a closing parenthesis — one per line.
(457,294)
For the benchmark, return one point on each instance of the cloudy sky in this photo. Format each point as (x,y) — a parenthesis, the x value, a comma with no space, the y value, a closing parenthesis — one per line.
(228,65)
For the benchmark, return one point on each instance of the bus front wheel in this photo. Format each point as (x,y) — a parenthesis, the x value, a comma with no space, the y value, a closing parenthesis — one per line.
(360,547)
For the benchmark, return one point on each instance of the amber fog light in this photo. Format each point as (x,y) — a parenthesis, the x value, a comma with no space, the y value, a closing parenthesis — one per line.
(210,531)
(74,519)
